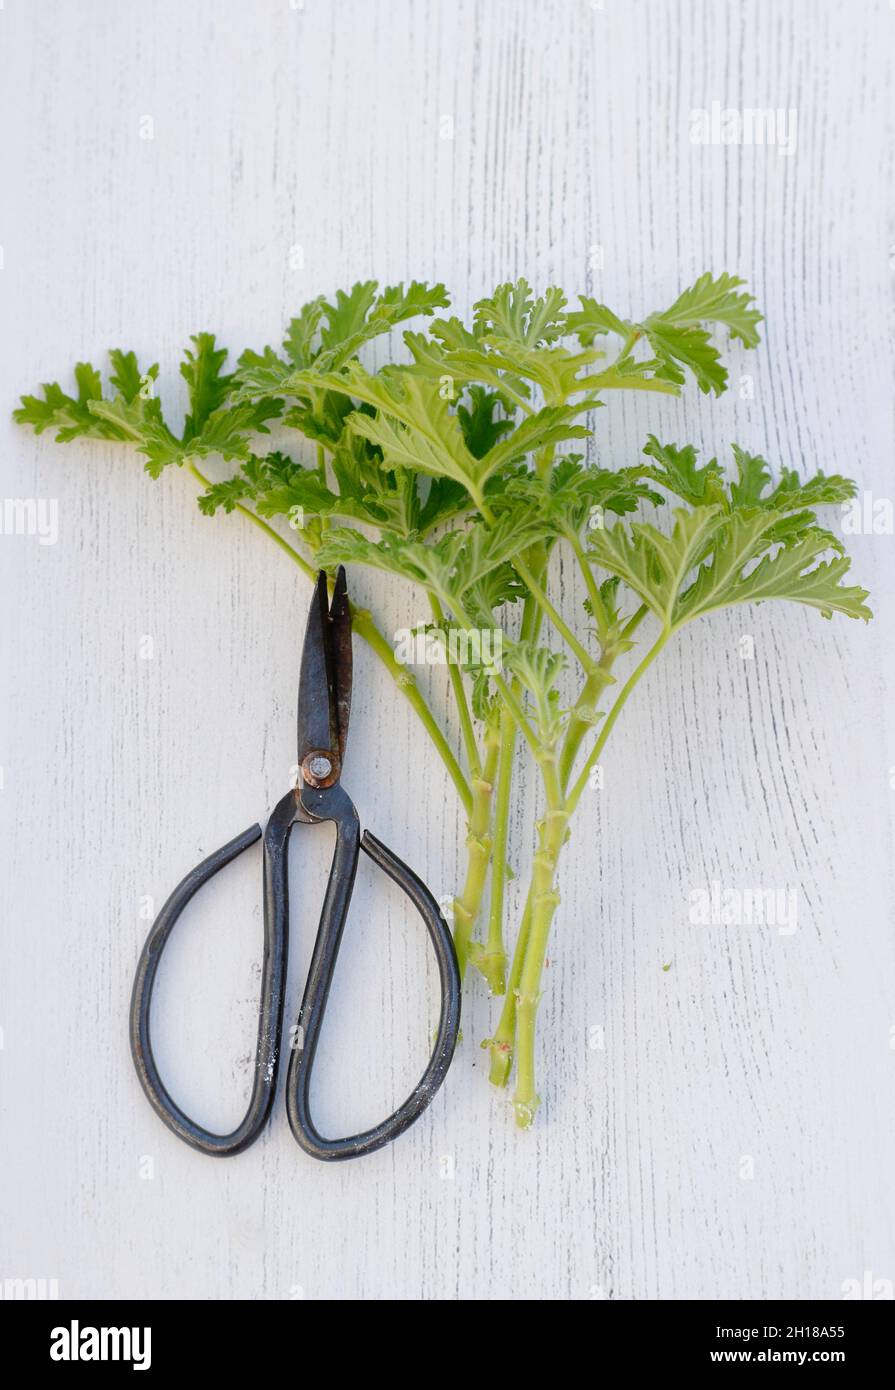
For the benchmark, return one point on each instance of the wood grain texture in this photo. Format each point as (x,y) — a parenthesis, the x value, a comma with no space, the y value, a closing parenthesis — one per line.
(319,127)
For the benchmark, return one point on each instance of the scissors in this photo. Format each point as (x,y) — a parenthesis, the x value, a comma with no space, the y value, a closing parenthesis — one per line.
(324,703)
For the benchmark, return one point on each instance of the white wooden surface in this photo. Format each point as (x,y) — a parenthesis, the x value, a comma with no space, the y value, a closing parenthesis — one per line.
(319,126)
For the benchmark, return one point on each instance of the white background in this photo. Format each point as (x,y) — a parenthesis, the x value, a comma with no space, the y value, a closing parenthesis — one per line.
(276,127)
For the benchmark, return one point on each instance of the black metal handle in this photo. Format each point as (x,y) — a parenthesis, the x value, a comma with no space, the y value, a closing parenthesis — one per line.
(273,984)
(334,805)
(330,804)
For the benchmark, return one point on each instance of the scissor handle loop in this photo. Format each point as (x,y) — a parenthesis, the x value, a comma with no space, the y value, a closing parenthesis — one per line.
(333,804)
(330,804)
(273,981)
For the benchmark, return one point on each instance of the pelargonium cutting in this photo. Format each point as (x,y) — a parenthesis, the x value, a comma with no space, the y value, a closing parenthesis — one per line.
(461,468)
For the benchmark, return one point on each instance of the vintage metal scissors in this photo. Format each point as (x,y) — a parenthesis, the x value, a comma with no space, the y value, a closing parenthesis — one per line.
(324,702)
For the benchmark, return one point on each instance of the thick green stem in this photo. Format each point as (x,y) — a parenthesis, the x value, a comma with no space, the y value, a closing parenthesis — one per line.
(544,900)
(584,714)
(492,961)
(455,675)
(502,1043)
(478,844)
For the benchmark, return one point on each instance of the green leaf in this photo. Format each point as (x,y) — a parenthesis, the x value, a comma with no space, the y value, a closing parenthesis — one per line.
(753,476)
(139,421)
(792,573)
(494,589)
(451,567)
(512,313)
(556,370)
(536,668)
(413,561)
(125,375)
(592,320)
(738,539)
(676,469)
(481,430)
(306,490)
(55,411)
(417,431)
(444,499)
(654,565)
(484,548)
(360,316)
(454,336)
(679,337)
(258,374)
(464,364)
(677,348)
(571,491)
(821,490)
(413,426)
(229,430)
(302,331)
(716,300)
(553,424)
(396,304)
(321,416)
(73,417)
(346,315)
(628,374)
(366,493)
(714,559)
(258,476)
(326,334)
(206,385)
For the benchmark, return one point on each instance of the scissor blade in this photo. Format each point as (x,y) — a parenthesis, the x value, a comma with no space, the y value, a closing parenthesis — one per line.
(324,692)
(340,620)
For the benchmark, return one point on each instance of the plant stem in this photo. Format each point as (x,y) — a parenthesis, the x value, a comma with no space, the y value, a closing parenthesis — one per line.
(509,693)
(293,554)
(492,962)
(516,1027)
(478,844)
(593,589)
(584,714)
(455,675)
(544,900)
(587,661)
(501,1045)
(363,624)
(511,698)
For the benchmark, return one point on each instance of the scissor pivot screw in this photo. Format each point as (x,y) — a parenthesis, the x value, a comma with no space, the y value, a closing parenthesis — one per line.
(317,769)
